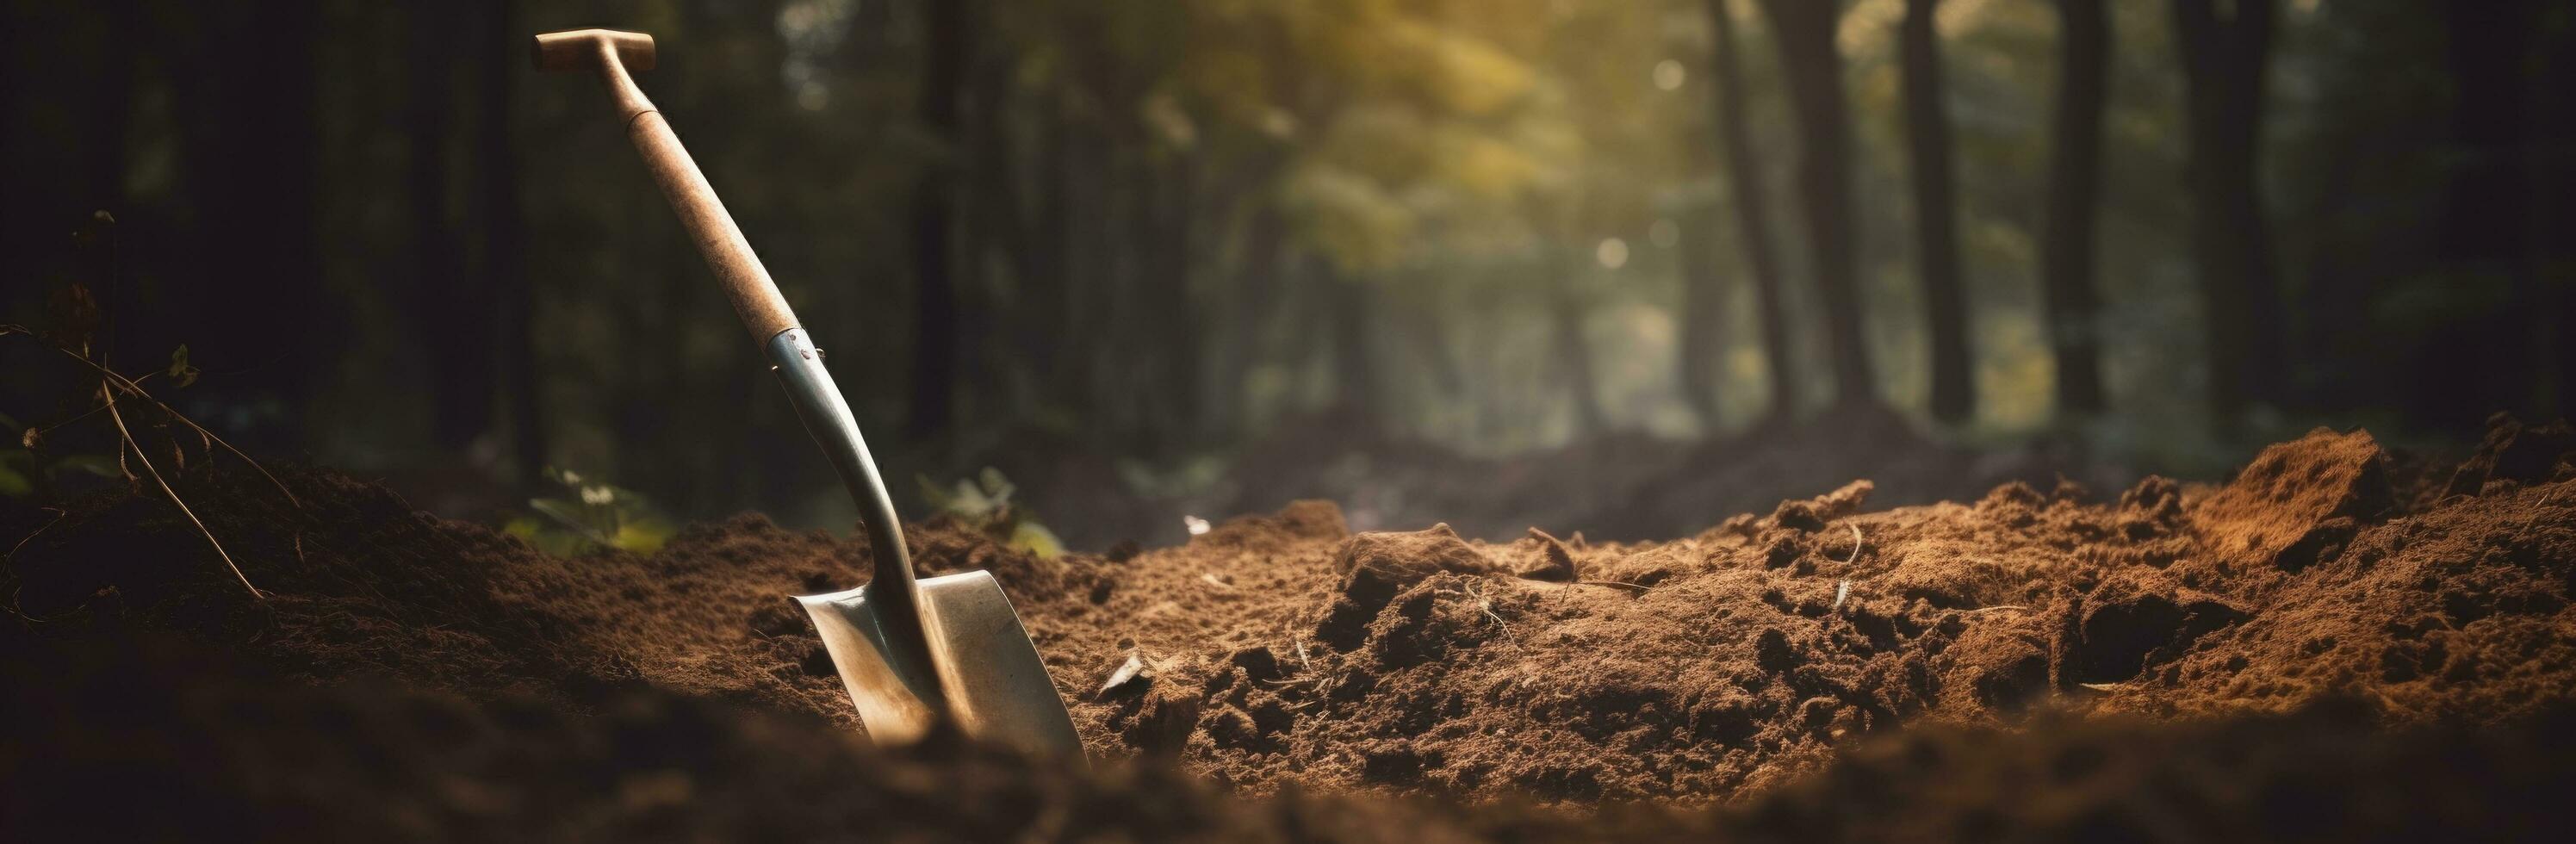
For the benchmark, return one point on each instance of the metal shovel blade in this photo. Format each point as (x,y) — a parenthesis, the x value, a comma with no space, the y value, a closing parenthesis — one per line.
(996,686)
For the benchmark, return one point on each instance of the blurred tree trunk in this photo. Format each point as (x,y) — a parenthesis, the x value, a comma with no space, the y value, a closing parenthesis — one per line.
(1752,215)
(108,116)
(505,239)
(1256,294)
(67,95)
(2225,58)
(1424,325)
(935,307)
(1703,342)
(245,86)
(1936,227)
(1574,352)
(1090,264)
(2555,200)
(2074,193)
(1168,324)
(17,205)
(1355,376)
(1117,333)
(457,333)
(1805,32)
(988,218)
(2475,363)
(1053,268)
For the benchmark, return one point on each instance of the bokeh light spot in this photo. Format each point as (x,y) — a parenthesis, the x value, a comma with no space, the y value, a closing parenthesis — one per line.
(1612,253)
(1669,75)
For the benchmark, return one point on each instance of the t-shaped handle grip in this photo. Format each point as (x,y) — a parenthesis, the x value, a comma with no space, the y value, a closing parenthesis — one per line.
(576,49)
(612,53)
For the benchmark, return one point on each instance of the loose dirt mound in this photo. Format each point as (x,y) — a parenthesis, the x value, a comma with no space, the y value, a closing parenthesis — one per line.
(1281,654)
(1730,662)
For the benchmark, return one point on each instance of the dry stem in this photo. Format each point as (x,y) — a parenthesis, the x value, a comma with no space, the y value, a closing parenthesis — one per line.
(108,388)
(119,417)
(136,389)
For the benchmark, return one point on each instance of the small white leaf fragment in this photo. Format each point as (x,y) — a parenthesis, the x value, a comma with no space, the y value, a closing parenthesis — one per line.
(1125,674)
(1841,590)
(1218,582)
(1195,524)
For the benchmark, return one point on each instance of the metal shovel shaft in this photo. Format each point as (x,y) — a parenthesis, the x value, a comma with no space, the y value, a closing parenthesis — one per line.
(892,589)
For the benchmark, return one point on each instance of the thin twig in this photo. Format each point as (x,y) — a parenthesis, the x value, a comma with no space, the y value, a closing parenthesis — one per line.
(1487,604)
(206,434)
(59,513)
(119,417)
(131,386)
(41,430)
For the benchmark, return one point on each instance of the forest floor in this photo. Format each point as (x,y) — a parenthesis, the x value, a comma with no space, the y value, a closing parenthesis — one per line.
(2337,643)
(1625,485)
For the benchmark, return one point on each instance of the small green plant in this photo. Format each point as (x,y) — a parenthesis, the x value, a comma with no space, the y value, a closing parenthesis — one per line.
(985,503)
(25,470)
(590,515)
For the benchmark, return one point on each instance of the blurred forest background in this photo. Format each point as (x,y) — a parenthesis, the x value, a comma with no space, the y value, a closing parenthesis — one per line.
(1626,266)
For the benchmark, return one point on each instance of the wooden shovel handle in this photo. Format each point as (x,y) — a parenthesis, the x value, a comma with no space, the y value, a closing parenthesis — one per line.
(755,297)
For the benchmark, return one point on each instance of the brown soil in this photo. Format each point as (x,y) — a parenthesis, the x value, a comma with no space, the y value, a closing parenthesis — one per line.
(2034,663)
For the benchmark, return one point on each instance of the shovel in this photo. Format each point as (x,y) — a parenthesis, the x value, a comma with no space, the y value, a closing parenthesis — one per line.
(910,651)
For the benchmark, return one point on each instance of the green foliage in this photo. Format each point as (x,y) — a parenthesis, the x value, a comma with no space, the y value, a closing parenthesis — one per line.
(985,503)
(29,469)
(23,472)
(182,373)
(593,515)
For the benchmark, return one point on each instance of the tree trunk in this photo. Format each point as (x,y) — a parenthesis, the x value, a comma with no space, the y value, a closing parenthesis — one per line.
(1355,379)
(1703,313)
(2476,364)
(2225,58)
(1805,31)
(1936,227)
(248,142)
(109,113)
(935,309)
(2074,190)
(1752,215)
(454,302)
(988,226)
(1058,259)
(1256,294)
(1164,228)
(2555,208)
(1574,353)
(505,240)
(1090,265)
